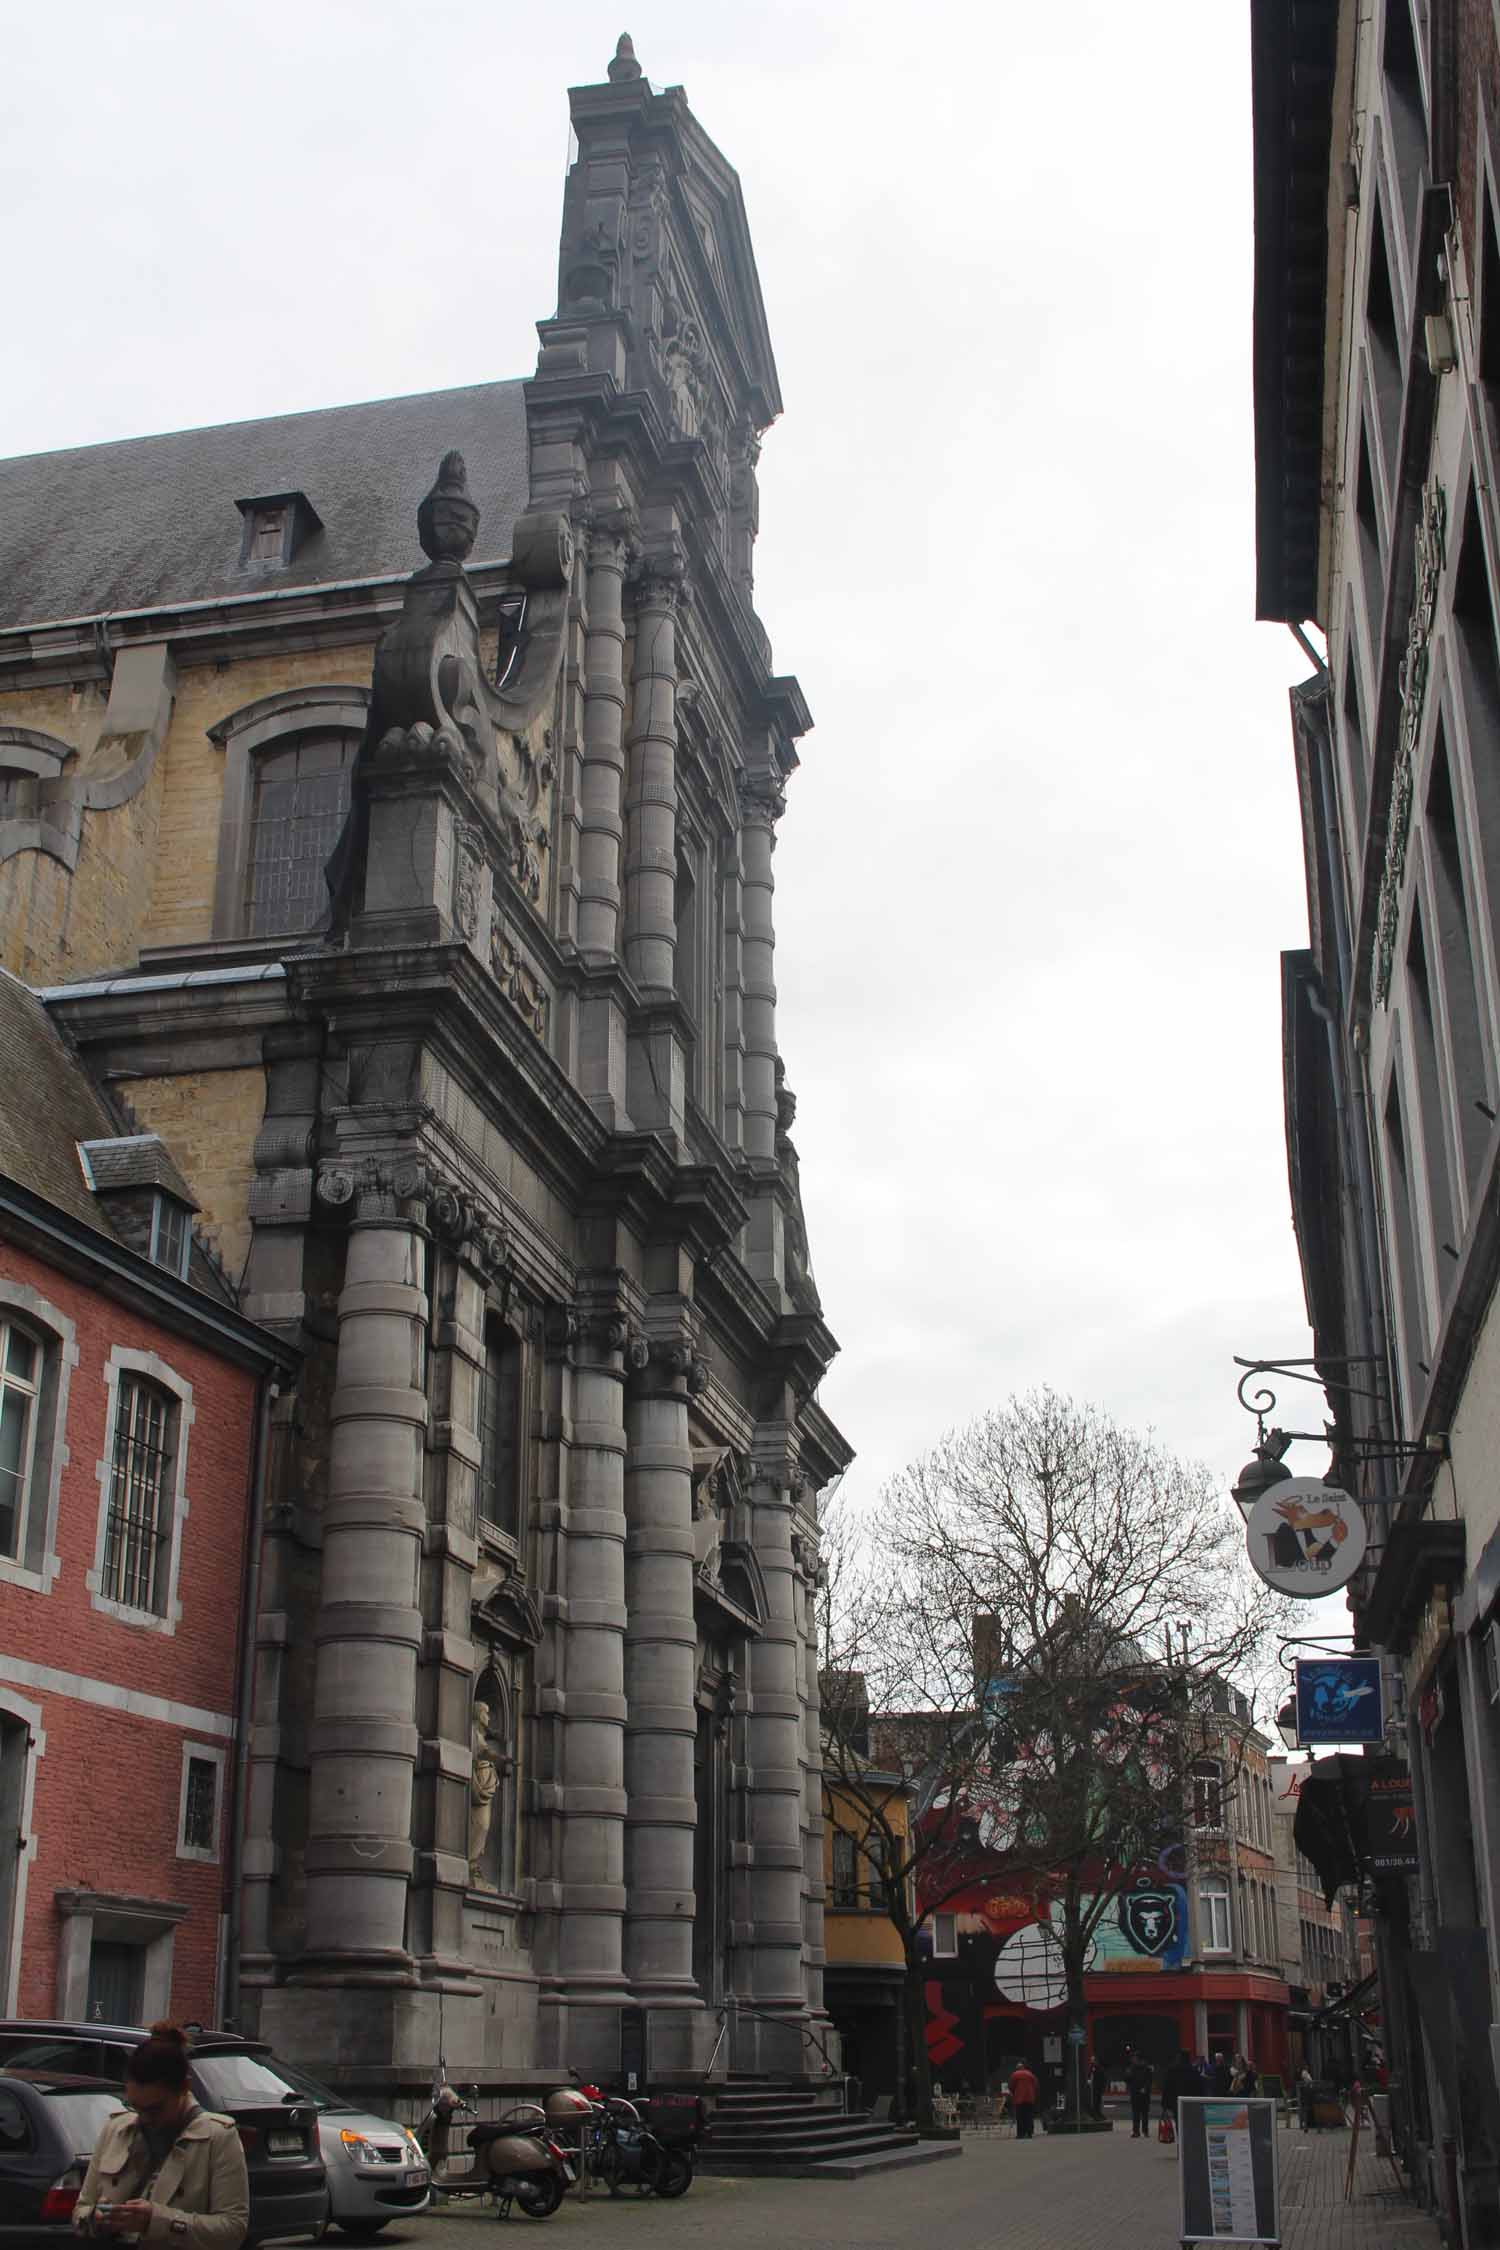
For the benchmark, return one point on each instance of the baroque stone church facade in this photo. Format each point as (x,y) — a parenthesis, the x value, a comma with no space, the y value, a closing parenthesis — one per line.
(429,914)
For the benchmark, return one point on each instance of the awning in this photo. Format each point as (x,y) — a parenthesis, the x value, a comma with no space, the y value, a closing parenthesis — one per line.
(1347,2002)
(1329,1828)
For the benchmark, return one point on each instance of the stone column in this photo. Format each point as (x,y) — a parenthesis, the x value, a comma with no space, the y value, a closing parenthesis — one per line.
(602,785)
(661,1663)
(761,806)
(363,1737)
(776,1800)
(814,1890)
(651,799)
(590,1974)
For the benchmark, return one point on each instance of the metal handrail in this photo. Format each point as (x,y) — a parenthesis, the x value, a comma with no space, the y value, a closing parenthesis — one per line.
(762,2015)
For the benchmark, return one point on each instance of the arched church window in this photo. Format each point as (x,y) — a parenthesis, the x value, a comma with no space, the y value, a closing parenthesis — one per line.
(301,795)
(500,1431)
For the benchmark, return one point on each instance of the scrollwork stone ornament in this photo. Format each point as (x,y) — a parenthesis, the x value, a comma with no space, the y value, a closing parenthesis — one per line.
(336,1186)
(467,872)
(1412,680)
(762,800)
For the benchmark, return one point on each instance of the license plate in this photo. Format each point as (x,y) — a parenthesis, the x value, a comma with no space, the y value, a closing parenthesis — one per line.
(284,2144)
(417,2177)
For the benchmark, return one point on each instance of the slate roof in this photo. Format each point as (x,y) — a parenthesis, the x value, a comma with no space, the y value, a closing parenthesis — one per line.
(134,1160)
(151,522)
(47,1106)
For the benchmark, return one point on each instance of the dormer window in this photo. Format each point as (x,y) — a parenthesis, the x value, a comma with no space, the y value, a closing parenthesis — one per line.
(276,526)
(171,1236)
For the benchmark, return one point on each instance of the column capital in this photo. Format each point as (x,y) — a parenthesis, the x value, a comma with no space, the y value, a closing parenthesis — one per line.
(762,799)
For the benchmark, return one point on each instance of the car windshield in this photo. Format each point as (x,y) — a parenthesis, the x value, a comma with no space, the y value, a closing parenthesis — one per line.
(81,2116)
(230,2081)
(313,2089)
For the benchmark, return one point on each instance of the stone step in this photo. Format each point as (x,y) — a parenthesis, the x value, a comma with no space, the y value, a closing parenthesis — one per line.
(779,2113)
(859,2166)
(811,2124)
(835,2142)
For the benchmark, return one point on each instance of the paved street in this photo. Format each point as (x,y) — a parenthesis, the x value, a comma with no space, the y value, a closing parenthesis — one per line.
(1095,2194)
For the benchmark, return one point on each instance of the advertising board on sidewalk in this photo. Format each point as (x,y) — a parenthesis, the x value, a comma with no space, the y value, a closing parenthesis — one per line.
(1231,2190)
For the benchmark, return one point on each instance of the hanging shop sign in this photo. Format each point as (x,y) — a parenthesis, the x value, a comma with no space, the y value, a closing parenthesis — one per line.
(1390,1819)
(1339,1701)
(1306,1538)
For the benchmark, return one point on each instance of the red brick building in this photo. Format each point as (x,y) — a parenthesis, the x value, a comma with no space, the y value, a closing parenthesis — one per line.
(132,1399)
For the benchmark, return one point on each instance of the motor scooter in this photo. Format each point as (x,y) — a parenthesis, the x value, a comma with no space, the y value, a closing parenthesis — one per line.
(627,2153)
(515,2159)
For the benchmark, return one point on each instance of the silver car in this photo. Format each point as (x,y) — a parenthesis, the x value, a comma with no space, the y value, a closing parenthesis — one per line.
(376,2169)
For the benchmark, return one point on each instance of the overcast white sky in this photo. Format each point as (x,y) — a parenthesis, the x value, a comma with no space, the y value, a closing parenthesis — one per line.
(1042,854)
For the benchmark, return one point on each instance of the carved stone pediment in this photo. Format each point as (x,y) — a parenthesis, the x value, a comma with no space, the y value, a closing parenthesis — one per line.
(508,1611)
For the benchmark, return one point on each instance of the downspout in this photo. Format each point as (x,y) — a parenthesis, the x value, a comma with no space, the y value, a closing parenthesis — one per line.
(268,1391)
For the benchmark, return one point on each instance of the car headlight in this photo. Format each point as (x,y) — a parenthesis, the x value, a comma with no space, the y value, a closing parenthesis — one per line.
(360,2149)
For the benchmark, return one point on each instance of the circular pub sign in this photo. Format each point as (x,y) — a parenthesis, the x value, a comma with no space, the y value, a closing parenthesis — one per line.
(1306,1538)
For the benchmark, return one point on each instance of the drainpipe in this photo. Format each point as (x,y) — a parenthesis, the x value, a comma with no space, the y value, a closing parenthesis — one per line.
(244,1698)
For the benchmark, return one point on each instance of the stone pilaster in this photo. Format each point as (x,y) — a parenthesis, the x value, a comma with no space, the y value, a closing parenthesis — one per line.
(776,1803)
(589,1987)
(814,1890)
(761,806)
(602,1044)
(369,1628)
(661,1664)
(657,1069)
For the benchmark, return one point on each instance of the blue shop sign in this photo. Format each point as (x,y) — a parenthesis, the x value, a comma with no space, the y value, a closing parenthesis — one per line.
(1339,1700)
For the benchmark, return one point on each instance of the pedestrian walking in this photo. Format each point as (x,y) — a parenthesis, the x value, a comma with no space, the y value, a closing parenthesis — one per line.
(1023,2099)
(1246,2080)
(1223,2077)
(165,2172)
(1181,2079)
(1305,2099)
(1098,2080)
(1138,2080)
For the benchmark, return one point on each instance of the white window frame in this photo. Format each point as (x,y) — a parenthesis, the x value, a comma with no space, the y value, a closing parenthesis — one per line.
(1216,1784)
(28,1715)
(38,1563)
(948,1952)
(208,1754)
(152,1369)
(163,1204)
(1215,1889)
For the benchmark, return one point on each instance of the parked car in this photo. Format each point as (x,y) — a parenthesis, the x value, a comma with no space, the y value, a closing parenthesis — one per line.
(48,2126)
(278,2127)
(377,2169)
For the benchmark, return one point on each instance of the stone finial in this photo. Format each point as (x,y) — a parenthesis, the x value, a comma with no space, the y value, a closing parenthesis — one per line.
(624,66)
(448,521)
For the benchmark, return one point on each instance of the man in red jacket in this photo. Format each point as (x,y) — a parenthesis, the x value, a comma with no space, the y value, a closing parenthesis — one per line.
(1023,2094)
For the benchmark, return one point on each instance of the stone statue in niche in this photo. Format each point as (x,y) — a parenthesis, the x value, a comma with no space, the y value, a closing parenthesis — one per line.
(800,1285)
(484,1788)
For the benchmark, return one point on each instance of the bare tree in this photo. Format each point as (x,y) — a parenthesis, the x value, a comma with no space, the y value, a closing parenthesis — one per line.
(1046,1617)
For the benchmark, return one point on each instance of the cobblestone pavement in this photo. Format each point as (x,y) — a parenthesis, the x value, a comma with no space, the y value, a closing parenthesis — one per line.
(1098,2193)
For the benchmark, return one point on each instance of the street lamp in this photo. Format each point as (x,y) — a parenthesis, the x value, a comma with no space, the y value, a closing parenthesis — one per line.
(1264,1470)
(1286,1723)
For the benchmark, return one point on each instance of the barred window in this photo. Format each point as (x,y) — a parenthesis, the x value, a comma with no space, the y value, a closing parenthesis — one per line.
(138,1535)
(20,1379)
(200,1805)
(301,798)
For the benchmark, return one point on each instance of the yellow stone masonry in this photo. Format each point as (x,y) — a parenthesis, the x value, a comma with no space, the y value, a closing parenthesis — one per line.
(145,873)
(209,1120)
(182,894)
